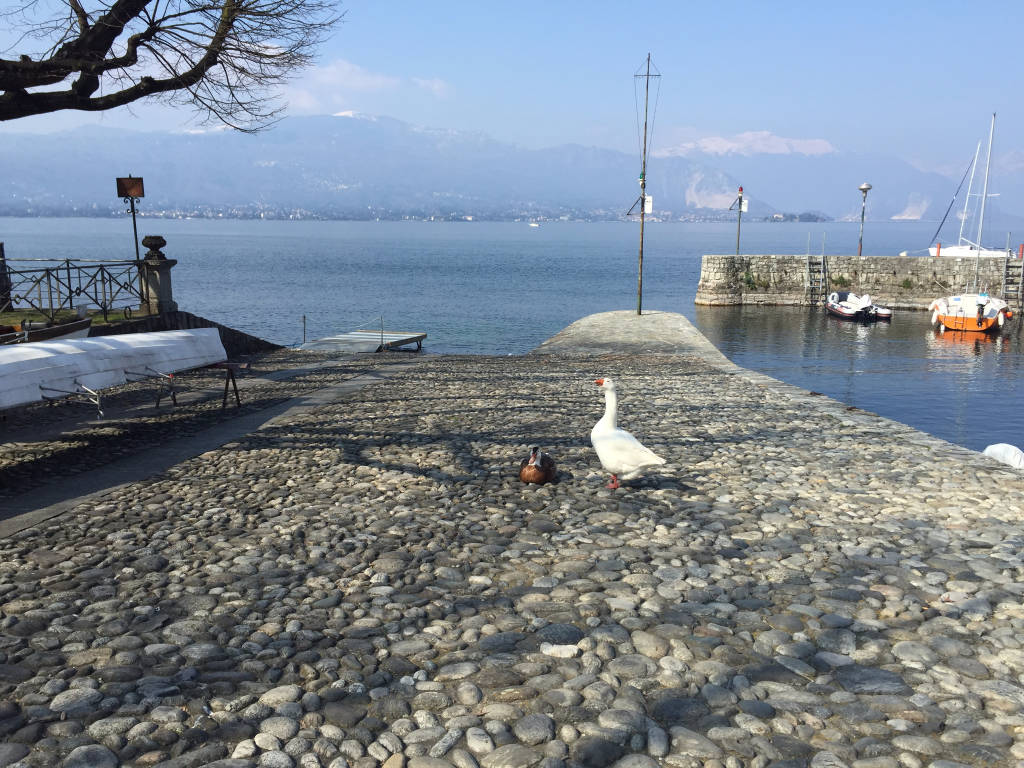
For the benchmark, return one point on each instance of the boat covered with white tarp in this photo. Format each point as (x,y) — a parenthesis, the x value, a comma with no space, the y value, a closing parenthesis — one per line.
(47,370)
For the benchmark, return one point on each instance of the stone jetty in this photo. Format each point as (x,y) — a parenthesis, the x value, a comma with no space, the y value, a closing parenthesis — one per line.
(364,582)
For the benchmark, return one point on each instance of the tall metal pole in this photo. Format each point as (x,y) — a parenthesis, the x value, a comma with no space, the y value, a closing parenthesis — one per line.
(135,229)
(863,204)
(860,238)
(739,218)
(643,195)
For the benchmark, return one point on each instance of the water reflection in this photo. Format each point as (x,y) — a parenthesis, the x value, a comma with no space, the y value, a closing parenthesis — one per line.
(954,385)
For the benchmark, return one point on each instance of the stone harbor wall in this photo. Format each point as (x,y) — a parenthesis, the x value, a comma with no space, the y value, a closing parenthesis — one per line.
(895,281)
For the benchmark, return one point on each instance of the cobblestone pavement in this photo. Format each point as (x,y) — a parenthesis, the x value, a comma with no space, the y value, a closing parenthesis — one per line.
(67,437)
(367,583)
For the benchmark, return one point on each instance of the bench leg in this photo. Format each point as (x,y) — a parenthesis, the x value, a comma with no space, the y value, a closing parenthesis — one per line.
(229,379)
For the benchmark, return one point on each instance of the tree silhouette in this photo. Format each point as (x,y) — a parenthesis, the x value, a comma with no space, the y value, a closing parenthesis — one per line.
(221,57)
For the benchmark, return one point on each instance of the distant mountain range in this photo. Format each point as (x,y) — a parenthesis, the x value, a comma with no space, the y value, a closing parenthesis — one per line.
(355,166)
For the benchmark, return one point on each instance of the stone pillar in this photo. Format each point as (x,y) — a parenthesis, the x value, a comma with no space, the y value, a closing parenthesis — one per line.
(156,277)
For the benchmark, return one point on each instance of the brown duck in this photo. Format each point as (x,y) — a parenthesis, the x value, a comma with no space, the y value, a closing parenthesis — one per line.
(539,468)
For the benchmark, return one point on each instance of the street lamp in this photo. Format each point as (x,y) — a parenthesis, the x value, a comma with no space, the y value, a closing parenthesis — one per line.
(130,188)
(863,204)
(740,205)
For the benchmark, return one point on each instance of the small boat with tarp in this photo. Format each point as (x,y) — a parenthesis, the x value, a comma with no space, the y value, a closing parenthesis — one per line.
(850,306)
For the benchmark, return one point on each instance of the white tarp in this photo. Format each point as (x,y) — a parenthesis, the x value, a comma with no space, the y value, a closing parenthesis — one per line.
(1007,454)
(50,369)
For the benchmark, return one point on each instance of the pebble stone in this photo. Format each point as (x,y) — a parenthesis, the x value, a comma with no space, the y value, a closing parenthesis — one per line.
(368,584)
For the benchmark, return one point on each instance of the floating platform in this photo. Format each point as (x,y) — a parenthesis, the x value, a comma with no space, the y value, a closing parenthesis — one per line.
(366,341)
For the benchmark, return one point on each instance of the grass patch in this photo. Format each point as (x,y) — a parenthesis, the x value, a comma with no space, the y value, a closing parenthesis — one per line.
(751,282)
(15,317)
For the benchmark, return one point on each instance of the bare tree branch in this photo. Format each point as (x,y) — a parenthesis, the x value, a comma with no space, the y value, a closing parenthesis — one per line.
(222,57)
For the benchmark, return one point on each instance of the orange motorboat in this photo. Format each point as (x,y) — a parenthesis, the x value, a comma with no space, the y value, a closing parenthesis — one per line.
(971,313)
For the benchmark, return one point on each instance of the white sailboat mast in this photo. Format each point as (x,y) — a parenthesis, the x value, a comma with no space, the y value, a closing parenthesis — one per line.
(984,193)
(967,200)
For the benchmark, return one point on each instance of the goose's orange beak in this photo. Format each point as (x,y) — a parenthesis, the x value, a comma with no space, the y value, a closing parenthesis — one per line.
(599,382)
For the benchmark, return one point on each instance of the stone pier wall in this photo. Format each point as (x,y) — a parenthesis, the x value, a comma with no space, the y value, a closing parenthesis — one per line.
(894,281)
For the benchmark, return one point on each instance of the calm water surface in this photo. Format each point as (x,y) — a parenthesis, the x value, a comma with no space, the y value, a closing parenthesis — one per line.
(502,288)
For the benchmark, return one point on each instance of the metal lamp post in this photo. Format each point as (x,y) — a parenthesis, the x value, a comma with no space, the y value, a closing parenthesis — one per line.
(740,205)
(863,204)
(131,190)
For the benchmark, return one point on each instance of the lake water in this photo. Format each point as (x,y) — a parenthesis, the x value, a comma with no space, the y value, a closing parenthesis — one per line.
(502,288)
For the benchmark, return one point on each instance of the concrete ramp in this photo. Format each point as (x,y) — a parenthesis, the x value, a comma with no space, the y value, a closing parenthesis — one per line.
(625,332)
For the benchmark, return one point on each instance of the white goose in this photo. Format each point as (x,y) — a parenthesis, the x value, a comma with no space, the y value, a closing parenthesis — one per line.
(620,453)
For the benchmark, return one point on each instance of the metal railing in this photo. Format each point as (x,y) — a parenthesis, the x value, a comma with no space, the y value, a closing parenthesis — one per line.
(66,284)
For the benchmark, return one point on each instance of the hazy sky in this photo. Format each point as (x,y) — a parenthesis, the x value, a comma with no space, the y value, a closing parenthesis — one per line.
(915,79)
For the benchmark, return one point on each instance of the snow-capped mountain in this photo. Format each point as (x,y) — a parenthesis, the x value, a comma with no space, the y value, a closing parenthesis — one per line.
(358,166)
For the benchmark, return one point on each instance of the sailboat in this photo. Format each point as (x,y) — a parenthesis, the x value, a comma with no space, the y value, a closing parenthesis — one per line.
(973,311)
(965,247)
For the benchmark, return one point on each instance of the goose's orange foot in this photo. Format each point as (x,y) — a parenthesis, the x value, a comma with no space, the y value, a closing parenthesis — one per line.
(614,482)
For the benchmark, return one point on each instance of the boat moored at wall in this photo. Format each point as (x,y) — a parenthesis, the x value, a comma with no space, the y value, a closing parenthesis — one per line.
(970,312)
(850,306)
(973,311)
(966,248)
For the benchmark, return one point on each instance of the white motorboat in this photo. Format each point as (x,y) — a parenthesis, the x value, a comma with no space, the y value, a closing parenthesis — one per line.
(850,306)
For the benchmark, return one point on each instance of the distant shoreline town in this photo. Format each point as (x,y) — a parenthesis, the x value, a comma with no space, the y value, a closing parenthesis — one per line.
(272,213)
